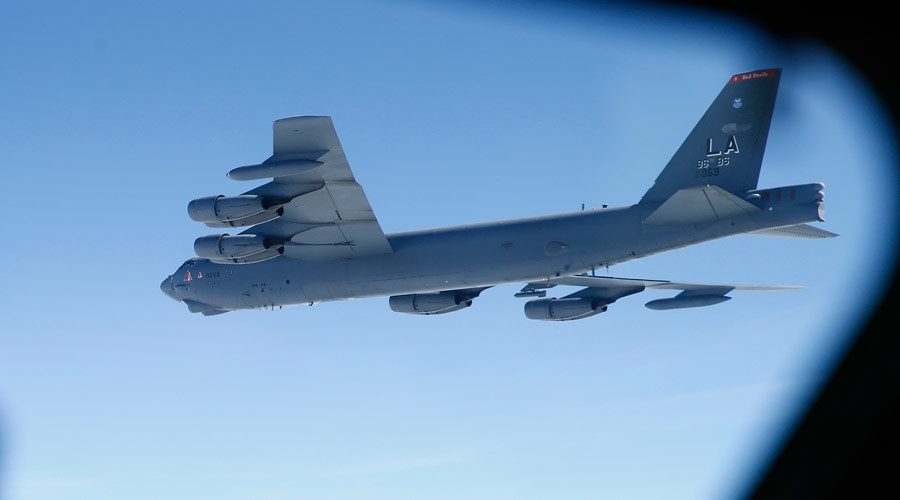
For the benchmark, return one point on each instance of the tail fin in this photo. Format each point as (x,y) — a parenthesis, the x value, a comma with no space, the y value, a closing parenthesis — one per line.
(725,149)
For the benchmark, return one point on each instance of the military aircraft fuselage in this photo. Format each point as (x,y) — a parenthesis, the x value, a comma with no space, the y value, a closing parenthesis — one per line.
(476,255)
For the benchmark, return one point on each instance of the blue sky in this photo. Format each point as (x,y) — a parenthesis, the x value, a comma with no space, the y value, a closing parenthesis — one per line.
(116,115)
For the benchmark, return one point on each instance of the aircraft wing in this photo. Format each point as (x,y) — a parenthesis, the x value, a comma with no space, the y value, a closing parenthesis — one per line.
(604,290)
(325,213)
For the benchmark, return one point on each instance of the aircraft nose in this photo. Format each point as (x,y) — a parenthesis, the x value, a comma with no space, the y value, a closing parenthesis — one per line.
(167,288)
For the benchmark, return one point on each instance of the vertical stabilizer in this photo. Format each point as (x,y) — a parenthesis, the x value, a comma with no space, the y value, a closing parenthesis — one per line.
(725,149)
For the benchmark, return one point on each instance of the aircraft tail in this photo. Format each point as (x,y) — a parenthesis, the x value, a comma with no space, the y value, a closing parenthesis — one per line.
(725,149)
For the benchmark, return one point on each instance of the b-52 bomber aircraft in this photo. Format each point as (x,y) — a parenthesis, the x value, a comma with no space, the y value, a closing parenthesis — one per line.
(312,236)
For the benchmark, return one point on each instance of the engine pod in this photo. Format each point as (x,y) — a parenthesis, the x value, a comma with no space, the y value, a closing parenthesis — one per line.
(223,246)
(429,303)
(562,309)
(234,210)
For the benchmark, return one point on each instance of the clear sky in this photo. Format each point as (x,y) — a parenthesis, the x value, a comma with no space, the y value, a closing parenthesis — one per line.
(116,114)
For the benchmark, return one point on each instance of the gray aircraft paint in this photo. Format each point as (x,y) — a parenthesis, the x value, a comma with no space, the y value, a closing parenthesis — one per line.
(707,191)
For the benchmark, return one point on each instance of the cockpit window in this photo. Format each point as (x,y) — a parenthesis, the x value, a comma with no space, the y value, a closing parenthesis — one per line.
(189,263)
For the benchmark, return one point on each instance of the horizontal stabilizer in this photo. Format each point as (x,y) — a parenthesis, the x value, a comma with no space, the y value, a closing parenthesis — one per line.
(699,205)
(798,231)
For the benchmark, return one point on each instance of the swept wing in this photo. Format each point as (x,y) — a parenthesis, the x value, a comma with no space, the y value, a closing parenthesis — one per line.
(316,209)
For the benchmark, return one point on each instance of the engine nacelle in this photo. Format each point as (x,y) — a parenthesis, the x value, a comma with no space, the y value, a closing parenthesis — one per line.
(229,210)
(224,247)
(271,253)
(429,303)
(562,309)
(249,221)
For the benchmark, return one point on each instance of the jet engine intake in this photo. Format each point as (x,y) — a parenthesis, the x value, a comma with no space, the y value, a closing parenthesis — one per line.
(430,303)
(563,309)
(232,210)
(220,247)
